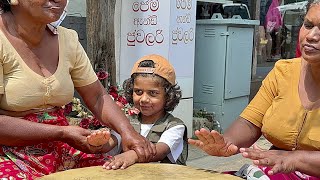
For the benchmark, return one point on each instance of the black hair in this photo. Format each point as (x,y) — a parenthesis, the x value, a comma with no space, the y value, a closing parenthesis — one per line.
(4,6)
(308,6)
(173,92)
(310,3)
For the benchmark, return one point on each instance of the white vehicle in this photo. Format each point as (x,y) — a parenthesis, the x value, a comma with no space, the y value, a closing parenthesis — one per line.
(293,6)
(230,10)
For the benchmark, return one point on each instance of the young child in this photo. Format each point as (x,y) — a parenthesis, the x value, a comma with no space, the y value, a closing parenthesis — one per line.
(153,90)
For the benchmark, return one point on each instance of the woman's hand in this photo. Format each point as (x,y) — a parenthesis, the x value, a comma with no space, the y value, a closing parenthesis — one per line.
(144,148)
(280,161)
(76,137)
(99,137)
(121,161)
(213,143)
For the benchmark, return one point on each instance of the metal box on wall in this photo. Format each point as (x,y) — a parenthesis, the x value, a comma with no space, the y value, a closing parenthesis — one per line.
(223,59)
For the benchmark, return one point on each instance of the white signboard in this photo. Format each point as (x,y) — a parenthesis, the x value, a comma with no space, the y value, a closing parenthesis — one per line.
(159,27)
(182,42)
(144,30)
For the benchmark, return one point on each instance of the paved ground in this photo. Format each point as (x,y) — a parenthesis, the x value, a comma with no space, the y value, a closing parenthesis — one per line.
(197,158)
(262,70)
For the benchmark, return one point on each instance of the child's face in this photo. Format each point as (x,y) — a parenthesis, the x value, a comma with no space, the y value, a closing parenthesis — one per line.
(149,98)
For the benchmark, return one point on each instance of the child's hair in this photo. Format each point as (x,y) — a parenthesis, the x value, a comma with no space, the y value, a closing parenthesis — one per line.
(157,67)
(4,6)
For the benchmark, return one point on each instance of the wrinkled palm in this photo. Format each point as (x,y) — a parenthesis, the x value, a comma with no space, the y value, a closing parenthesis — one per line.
(213,143)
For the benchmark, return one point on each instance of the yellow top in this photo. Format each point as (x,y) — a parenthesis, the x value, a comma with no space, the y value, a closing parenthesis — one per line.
(23,89)
(278,111)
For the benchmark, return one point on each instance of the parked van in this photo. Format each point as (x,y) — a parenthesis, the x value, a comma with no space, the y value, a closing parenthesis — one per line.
(207,10)
(230,10)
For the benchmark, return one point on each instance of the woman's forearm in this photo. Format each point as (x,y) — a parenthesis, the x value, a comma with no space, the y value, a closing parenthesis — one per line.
(104,108)
(111,115)
(19,132)
(242,133)
(308,162)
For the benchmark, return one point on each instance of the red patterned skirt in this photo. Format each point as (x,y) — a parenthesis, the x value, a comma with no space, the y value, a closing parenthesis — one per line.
(30,162)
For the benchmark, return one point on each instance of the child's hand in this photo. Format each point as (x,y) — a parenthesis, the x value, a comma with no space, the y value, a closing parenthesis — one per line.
(121,161)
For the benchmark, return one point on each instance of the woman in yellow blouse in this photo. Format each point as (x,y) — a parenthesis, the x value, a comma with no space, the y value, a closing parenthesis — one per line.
(286,111)
(39,69)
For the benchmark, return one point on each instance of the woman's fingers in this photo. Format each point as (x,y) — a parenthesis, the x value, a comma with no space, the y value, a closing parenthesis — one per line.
(147,151)
(256,147)
(213,143)
(231,150)
(265,162)
(141,153)
(99,137)
(259,157)
(217,137)
(212,137)
(252,153)
(225,149)
(206,137)
(153,150)
(280,161)
(202,135)
(278,168)
(140,145)
(195,142)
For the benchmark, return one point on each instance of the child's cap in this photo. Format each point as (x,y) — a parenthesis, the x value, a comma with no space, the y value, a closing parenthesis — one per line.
(162,68)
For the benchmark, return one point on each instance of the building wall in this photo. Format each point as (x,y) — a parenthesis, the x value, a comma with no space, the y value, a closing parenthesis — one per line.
(77,8)
(78,24)
(76,20)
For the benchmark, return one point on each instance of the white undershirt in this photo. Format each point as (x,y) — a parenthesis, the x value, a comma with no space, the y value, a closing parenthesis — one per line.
(172,137)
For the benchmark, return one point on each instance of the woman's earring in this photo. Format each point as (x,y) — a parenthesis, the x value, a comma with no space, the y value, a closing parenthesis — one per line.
(14,2)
